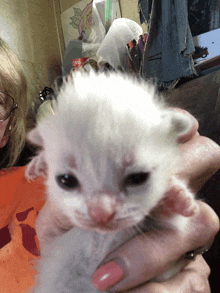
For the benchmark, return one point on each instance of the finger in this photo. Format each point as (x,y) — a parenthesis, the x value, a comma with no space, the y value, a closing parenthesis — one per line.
(143,258)
(193,131)
(200,160)
(194,278)
(151,287)
(200,156)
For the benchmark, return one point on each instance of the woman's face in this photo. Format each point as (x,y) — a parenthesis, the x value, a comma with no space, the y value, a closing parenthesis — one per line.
(3,139)
(3,125)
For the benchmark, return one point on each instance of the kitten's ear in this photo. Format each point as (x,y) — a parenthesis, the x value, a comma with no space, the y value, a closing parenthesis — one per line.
(37,167)
(181,123)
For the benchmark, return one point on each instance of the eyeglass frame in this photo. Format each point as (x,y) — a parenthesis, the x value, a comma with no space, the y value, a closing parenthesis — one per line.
(14,106)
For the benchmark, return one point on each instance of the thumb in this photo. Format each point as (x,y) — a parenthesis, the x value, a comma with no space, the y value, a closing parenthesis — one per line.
(152,253)
(138,261)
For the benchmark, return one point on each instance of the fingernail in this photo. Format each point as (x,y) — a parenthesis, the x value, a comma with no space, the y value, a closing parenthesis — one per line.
(107,276)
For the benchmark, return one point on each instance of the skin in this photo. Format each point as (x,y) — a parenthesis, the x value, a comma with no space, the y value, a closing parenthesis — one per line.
(3,139)
(3,125)
(200,160)
(193,279)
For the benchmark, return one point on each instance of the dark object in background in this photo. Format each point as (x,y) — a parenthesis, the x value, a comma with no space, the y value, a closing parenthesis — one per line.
(28,152)
(200,52)
(73,51)
(46,94)
(199,16)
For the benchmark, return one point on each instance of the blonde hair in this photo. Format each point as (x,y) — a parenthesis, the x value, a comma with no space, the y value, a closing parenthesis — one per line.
(14,83)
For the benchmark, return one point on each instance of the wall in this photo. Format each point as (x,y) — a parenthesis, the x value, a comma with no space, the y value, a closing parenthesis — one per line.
(32,30)
(66,4)
(129,9)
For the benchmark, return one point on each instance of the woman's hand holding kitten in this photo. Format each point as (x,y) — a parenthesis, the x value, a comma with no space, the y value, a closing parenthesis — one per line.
(200,160)
(111,178)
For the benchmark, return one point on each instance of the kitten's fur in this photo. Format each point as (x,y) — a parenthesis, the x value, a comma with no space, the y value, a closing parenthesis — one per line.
(106,128)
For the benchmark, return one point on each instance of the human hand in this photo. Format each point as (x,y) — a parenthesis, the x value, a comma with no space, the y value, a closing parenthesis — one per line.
(194,278)
(132,264)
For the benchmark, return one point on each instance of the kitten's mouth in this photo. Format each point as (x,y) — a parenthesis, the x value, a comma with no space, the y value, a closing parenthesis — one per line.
(114,225)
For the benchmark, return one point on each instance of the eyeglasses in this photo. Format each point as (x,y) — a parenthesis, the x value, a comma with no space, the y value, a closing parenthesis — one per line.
(7,106)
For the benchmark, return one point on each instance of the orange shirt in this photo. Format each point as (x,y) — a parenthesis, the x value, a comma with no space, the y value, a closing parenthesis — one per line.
(20,202)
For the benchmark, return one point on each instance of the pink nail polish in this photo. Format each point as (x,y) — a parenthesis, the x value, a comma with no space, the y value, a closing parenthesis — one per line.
(107,276)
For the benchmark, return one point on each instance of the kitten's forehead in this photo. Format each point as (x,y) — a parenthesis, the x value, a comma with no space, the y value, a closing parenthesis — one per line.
(102,123)
(102,97)
(99,116)
(91,155)
(91,160)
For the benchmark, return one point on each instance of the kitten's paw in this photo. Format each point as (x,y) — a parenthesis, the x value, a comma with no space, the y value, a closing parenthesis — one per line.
(179,200)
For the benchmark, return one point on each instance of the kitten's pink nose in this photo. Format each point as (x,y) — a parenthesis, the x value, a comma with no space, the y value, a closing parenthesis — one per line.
(100,215)
(102,209)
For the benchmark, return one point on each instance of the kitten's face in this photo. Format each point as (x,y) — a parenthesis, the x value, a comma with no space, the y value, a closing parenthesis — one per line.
(109,150)
(101,192)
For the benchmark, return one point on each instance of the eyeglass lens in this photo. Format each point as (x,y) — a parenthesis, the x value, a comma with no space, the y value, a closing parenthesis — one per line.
(6,105)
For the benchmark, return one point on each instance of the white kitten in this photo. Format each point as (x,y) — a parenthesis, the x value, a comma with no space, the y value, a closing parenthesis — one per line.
(110,153)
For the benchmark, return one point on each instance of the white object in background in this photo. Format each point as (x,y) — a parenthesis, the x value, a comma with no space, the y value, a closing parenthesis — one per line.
(80,15)
(113,47)
(211,40)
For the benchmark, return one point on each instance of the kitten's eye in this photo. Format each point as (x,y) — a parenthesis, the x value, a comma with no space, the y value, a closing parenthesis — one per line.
(136,178)
(67,181)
